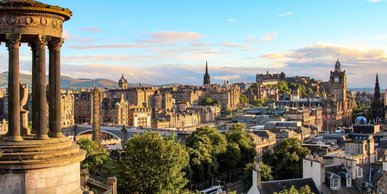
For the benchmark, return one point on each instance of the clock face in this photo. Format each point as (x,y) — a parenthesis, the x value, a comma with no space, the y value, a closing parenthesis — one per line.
(336,79)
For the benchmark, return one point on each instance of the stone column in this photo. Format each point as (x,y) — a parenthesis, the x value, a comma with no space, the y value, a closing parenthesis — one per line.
(54,83)
(13,44)
(96,116)
(39,104)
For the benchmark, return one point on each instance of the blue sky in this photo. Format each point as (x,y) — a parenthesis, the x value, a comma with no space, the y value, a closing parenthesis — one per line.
(158,42)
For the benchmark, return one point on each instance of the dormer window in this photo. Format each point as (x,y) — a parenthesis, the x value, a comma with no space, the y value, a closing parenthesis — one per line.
(348,181)
(335,184)
(359,172)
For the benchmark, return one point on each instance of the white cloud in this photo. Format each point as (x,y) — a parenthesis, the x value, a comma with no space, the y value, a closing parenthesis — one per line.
(231,20)
(374,1)
(289,13)
(317,60)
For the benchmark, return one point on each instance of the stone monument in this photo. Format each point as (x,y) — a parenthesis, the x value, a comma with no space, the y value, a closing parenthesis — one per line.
(44,162)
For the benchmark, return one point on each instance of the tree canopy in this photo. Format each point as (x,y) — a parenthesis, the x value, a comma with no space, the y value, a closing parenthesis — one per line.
(204,147)
(153,164)
(238,135)
(266,173)
(286,160)
(209,102)
(303,190)
(96,156)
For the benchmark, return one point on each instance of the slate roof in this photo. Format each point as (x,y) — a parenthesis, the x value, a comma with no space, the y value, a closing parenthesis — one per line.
(269,187)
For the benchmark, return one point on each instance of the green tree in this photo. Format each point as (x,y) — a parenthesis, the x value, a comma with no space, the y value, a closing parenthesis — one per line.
(204,147)
(283,87)
(96,156)
(303,190)
(266,173)
(243,99)
(286,159)
(209,102)
(259,102)
(237,134)
(153,164)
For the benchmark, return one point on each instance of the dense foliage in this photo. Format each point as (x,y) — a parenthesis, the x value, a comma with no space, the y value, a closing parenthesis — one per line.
(286,160)
(153,164)
(303,190)
(266,173)
(283,87)
(212,153)
(238,135)
(259,102)
(96,156)
(204,147)
(209,102)
(243,99)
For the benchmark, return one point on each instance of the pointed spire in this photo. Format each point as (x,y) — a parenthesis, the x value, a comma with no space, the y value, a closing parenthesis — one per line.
(377,87)
(206,79)
(206,67)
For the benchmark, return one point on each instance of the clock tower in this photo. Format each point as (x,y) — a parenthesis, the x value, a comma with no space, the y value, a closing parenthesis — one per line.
(338,83)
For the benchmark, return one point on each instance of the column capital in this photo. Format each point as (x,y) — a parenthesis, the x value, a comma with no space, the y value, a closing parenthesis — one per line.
(13,40)
(41,41)
(55,44)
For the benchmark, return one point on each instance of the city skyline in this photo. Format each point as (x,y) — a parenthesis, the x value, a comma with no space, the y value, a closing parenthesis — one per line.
(170,41)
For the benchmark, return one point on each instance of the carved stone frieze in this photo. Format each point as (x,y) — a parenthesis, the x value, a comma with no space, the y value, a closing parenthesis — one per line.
(31,24)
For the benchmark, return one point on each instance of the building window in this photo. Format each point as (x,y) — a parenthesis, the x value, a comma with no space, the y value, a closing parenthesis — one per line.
(380,190)
(349,181)
(335,184)
(359,172)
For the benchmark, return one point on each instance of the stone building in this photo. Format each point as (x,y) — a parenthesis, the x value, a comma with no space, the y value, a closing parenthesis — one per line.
(67,109)
(187,94)
(139,116)
(184,121)
(263,90)
(208,114)
(162,101)
(114,111)
(338,107)
(264,140)
(83,107)
(309,116)
(270,77)
(138,96)
(227,95)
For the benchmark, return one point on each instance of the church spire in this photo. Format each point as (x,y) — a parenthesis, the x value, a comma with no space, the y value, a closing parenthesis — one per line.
(206,68)
(377,88)
(206,79)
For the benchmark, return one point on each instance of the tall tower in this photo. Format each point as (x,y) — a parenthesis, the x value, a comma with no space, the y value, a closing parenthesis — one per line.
(377,107)
(338,83)
(206,79)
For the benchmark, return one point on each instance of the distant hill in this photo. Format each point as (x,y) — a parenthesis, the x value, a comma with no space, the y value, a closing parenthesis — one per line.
(66,82)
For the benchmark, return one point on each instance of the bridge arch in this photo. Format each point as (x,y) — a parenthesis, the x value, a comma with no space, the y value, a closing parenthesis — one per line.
(91,130)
